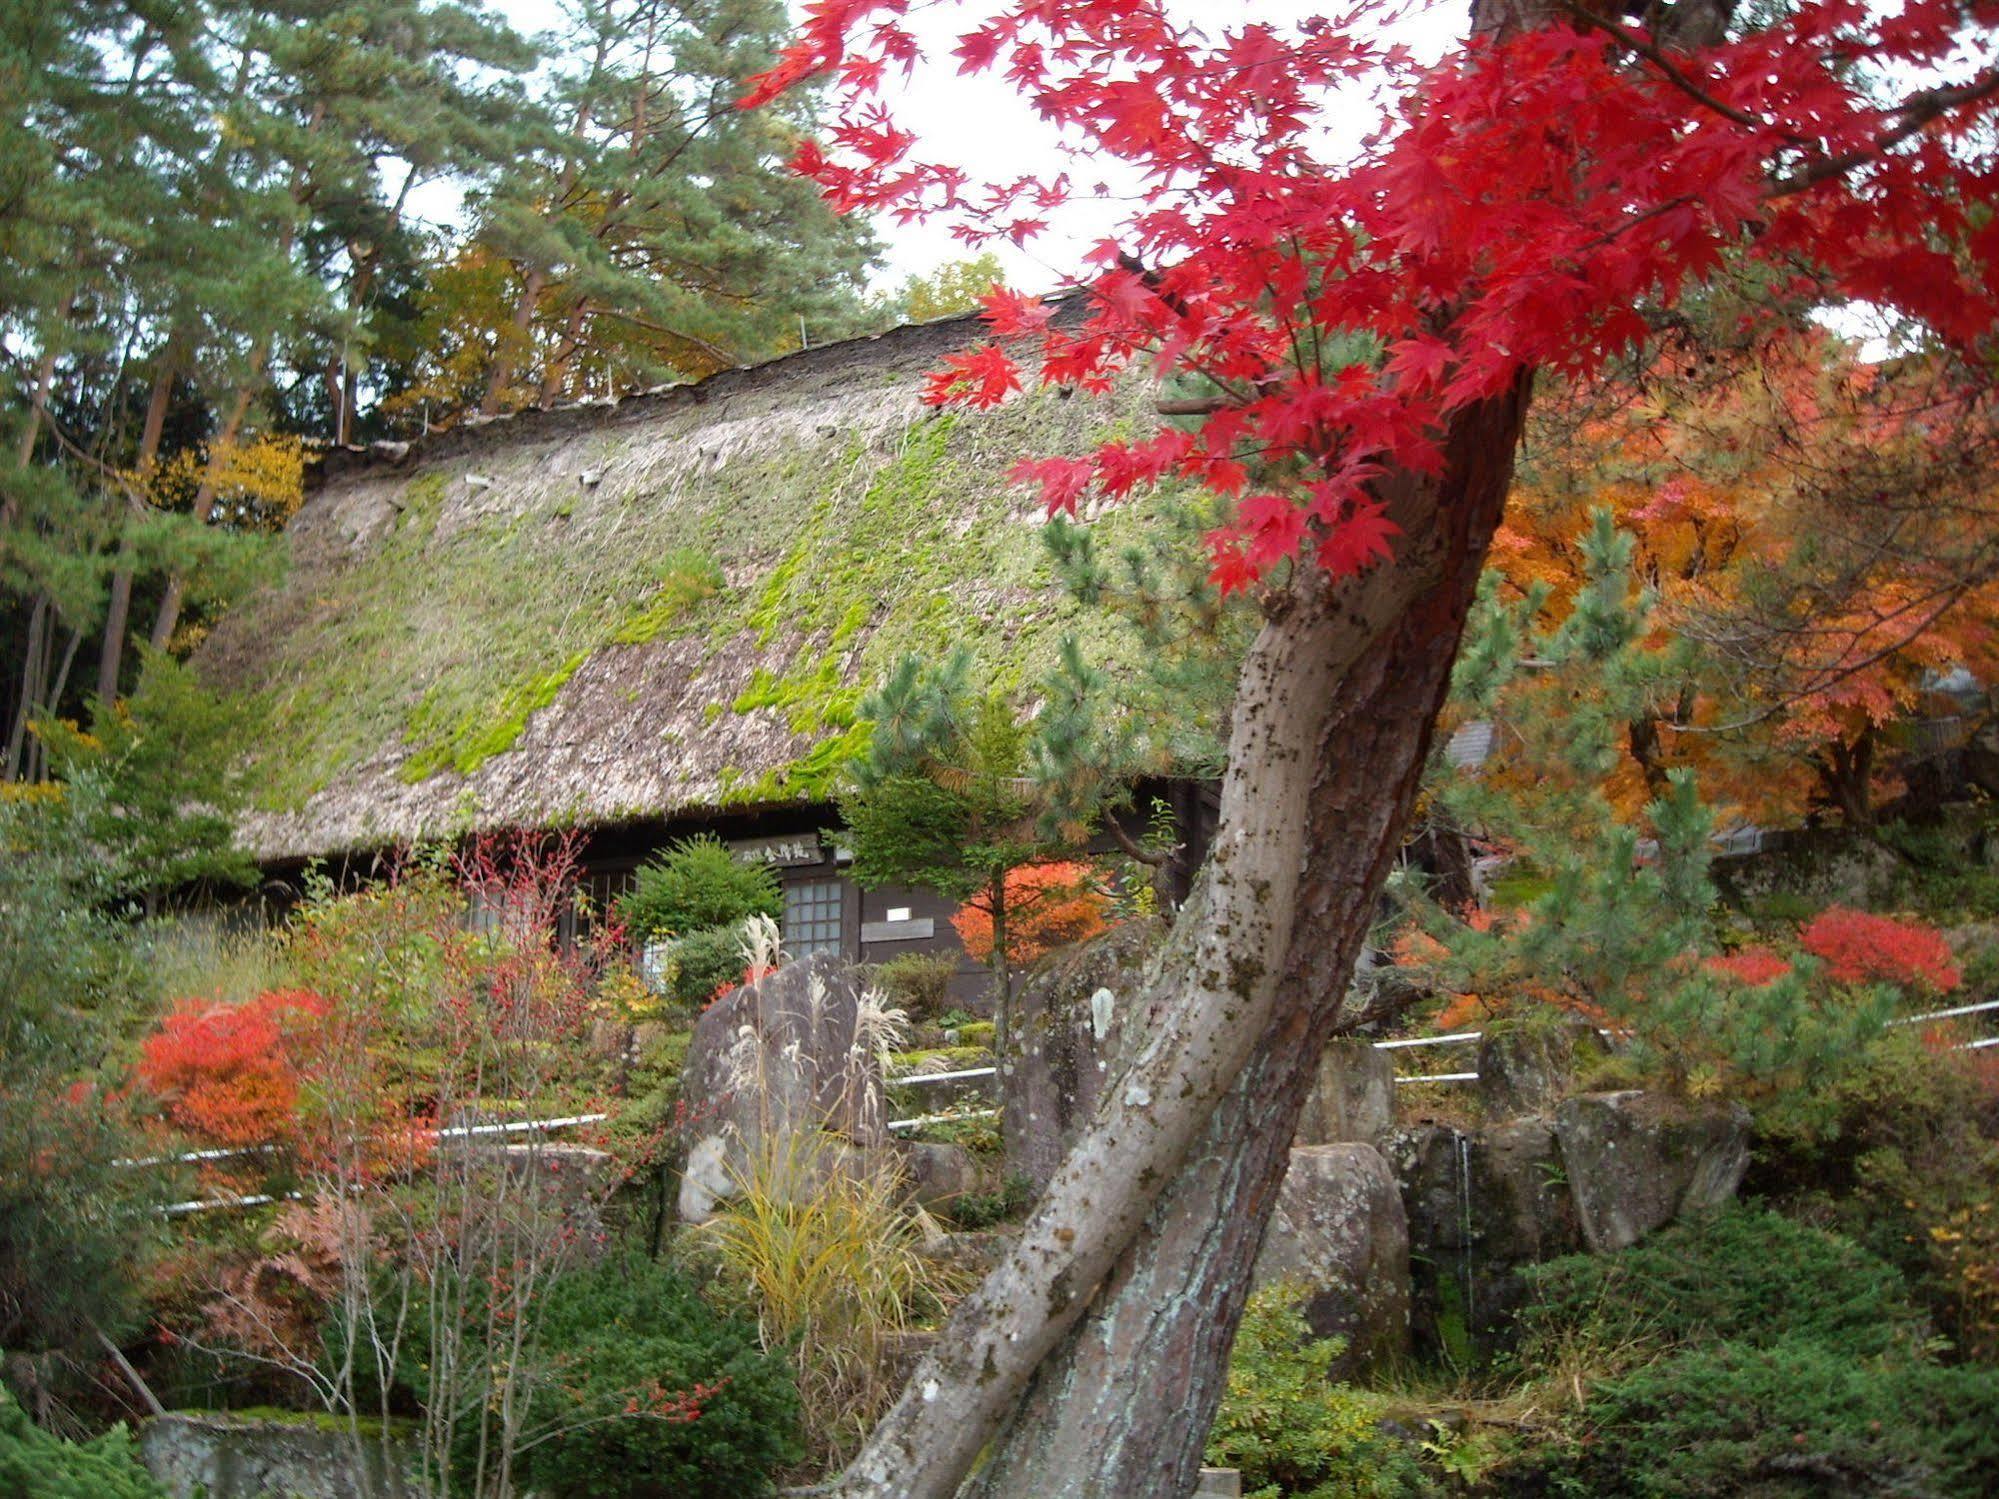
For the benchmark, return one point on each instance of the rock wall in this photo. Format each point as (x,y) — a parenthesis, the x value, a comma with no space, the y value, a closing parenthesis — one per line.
(219,1456)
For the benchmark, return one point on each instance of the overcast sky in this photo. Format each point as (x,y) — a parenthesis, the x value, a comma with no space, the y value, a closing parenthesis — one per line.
(982,126)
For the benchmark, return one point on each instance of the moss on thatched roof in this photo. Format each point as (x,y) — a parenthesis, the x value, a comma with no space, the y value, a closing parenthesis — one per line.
(609,613)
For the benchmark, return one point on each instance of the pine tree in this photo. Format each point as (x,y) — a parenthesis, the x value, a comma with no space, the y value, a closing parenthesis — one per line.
(943,799)
(653,234)
(1612,917)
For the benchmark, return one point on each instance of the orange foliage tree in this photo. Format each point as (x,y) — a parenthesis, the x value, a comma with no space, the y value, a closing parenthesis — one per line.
(1047,905)
(230,1073)
(1817,534)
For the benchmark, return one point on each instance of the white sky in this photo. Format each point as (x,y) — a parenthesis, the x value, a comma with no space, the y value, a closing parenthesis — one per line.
(980,124)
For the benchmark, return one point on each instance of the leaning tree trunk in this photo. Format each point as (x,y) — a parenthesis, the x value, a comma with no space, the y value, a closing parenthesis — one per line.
(1095,1351)
(1171,1305)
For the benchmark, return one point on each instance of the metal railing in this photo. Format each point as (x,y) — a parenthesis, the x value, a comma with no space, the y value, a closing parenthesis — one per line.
(260,1199)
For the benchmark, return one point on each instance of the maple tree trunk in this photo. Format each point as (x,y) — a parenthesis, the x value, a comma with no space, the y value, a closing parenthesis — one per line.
(1096,1350)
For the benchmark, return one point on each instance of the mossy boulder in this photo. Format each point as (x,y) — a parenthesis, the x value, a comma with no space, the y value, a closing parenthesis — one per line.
(1071,1025)
(1339,1229)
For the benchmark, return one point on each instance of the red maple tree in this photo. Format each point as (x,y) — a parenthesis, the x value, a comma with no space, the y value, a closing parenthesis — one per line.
(1047,905)
(229,1074)
(1350,339)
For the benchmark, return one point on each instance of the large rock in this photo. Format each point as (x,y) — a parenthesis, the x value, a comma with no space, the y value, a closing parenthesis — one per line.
(1482,1206)
(936,1173)
(1636,1161)
(1353,1097)
(784,1057)
(1339,1228)
(1525,1069)
(1071,1026)
(222,1456)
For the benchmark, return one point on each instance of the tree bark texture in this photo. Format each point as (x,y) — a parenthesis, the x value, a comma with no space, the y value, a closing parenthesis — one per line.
(1170,1308)
(1135,1260)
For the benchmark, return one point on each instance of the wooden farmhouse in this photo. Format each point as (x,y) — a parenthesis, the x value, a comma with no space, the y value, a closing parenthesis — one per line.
(656,617)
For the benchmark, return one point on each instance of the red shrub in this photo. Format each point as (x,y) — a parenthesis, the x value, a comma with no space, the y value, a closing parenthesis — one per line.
(1047,906)
(230,1073)
(1859,948)
(1754,966)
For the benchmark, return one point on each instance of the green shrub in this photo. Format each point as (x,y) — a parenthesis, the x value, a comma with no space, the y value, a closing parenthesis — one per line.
(705,960)
(919,982)
(621,1339)
(1896,1154)
(74,1228)
(1744,1275)
(697,885)
(1793,1418)
(38,1465)
(975,1210)
(1290,1428)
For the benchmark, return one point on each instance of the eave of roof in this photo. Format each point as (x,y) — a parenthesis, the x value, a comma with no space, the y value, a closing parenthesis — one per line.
(496,627)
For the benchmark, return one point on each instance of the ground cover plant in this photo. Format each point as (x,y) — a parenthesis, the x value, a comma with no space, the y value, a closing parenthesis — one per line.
(1747,1354)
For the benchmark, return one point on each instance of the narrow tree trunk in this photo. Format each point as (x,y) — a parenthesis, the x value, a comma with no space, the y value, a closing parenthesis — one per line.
(1143,1238)
(31,686)
(506,356)
(38,750)
(1002,975)
(168,618)
(556,374)
(118,612)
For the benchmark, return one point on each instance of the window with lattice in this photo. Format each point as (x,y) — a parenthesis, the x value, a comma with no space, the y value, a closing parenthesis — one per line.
(812,916)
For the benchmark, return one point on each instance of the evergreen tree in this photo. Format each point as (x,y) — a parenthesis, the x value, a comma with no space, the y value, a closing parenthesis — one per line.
(1600,920)
(944,799)
(654,233)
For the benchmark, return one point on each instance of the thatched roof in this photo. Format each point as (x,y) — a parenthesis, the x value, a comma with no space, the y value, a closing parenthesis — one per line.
(608,613)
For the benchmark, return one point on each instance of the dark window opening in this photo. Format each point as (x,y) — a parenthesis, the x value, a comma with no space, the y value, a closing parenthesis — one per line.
(812,916)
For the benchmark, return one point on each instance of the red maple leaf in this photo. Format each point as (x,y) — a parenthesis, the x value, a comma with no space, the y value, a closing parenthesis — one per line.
(1358,541)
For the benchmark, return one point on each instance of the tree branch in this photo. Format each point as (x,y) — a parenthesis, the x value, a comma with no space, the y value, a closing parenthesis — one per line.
(1917,111)
(1644,47)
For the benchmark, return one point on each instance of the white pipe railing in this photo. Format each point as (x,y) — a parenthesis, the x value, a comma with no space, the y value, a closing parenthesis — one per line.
(1454,1038)
(204,1205)
(224,1154)
(922,1119)
(1439,1077)
(463,1131)
(1990,1004)
(454,1132)
(916,1078)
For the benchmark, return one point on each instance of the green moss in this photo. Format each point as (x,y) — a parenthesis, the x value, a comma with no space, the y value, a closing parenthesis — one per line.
(813,698)
(936,1059)
(449,629)
(370,1427)
(813,777)
(686,577)
(473,739)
